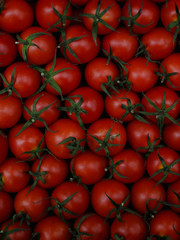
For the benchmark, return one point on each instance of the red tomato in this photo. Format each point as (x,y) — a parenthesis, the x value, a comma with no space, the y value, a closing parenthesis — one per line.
(79,202)
(44,52)
(145,189)
(63,129)
(6,206)
(111,17)
(171,136)
(154,164)
(137,133)
(114,108)
(46,16)
(115,190)
(132,166)
(68,80)
(172,192)
(89,167)
(16,16)
(8,49)
(33,203)
(163,224)
(50,115)
(52,227)
(84,48)
(10,111)
(93,104)
(159,43)
(97,72)
(3,146)
(132,227)
(27,140)
(14,174)
(141,74)
(123,44)
(94,225)
(57,171)
(106,132)
(148,18)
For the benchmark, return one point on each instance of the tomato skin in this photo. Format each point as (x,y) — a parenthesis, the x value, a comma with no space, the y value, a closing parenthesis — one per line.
(57,170)
(89,166)
(123,44)
(33,203)
(145,189)
(52,227)
(27,80)
(45,15)
(163,224)
(78,204)
(133,166)
(159,43)
(97,71)
(113,104)
(154,164)
(46,43)
(137,133)
(3,146)
(171,197)
(132,227)
(6,206)
(8,49)
(64,128)
(141,74)
(84,48)
(149,15)
(16,16)
(50,115)
(171,136)
(114,189)
(27,140)
(111,17)
(93,103)
(95,225)
(99,129)
(17,170)
(156,96)
(10,111)
(68,80)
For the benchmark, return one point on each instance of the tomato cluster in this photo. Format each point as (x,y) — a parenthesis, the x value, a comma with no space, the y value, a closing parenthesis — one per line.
(89,119)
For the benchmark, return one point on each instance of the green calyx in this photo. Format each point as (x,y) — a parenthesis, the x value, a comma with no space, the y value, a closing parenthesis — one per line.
(110,85)
(2,5)
(24,217)
(112,167)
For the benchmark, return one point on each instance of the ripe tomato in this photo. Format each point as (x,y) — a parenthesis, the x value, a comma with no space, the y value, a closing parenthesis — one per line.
(132,227)
(148,18)
(26,80)
(46,16)
(10,111)
(123,44)
(52,227)
(79,202)
(104,132)
(172,197)
(93,104)
(41,54)
(14,174)
(145,189)
(8,49)
(89,167)
(3,146)
(85,48)
(16,16)
(111,17)
(57,171)
(45,99)
(171,136)
(154,164)
(6,206)
(97,72)
(132,166)
(33,203)
(163,224)
(117,191)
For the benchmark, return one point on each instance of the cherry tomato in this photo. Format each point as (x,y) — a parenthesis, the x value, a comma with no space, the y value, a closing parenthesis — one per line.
(172,192)
(171,136)
(6,206)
